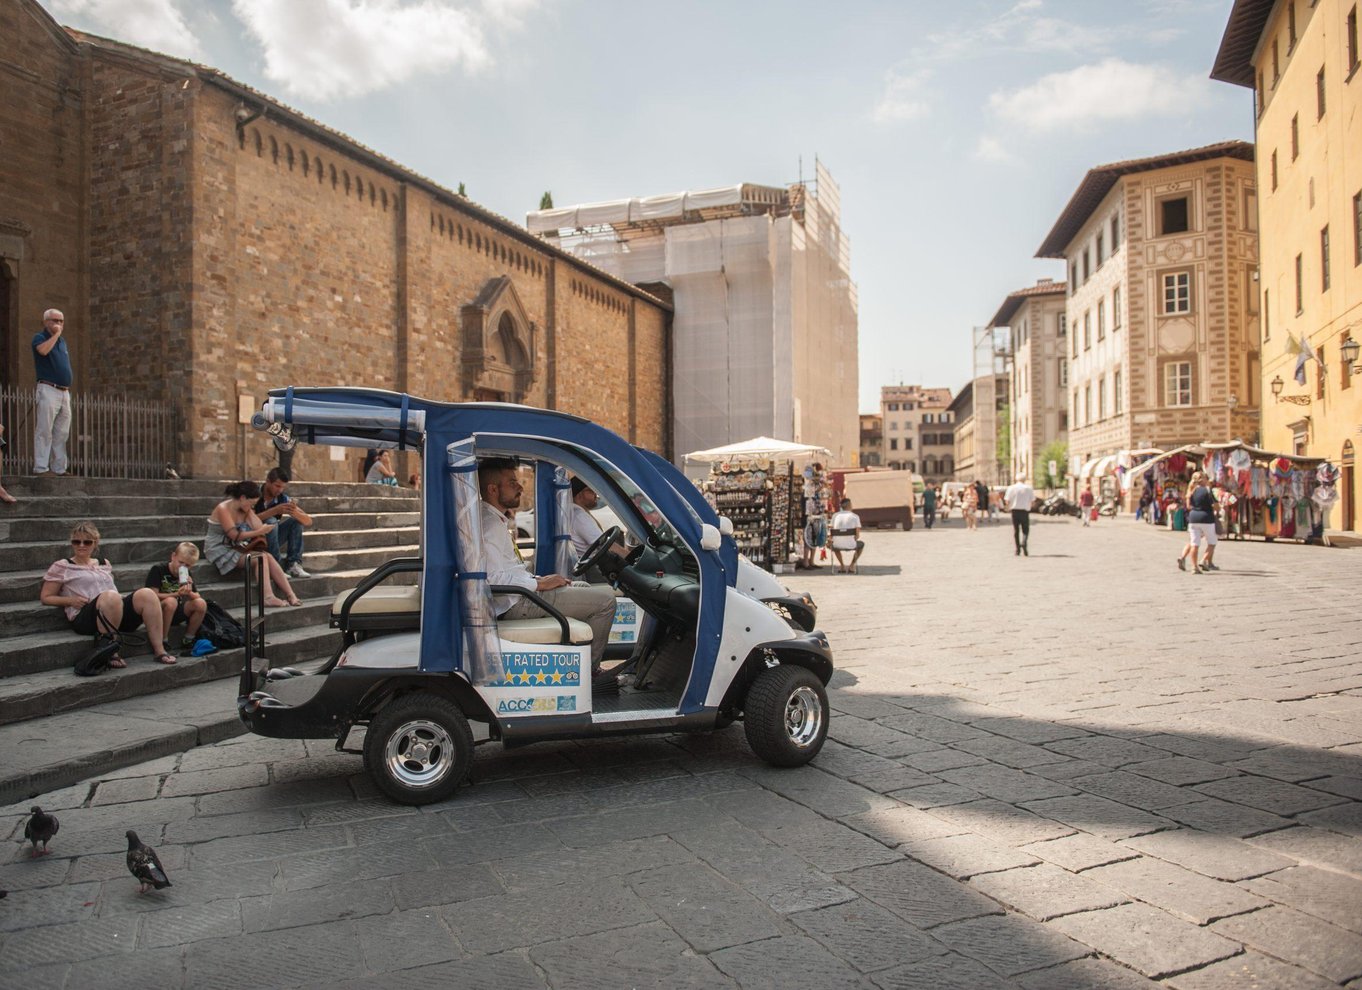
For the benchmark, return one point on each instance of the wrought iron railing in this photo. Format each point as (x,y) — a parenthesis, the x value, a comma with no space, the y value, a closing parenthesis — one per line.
(111,436)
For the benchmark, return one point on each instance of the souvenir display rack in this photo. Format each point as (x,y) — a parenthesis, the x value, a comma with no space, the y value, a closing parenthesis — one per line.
(755,495)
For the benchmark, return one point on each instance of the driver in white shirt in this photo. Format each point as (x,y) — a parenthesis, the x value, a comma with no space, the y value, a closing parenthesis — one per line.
(501,490)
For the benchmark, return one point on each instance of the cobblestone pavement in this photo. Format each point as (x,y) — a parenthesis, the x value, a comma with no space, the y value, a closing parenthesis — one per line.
(1081,768)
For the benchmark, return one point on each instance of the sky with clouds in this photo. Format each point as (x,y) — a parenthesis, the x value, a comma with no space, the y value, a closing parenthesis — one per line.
(957,132)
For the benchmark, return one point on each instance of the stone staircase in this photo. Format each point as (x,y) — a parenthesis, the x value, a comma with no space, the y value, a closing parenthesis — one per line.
(356,528)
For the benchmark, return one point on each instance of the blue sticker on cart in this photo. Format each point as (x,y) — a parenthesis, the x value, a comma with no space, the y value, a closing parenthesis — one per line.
(624,628)
(540,669)
(546,705)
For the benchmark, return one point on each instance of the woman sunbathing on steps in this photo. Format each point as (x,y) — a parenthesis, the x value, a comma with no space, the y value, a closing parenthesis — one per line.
(83,585)
(235,531)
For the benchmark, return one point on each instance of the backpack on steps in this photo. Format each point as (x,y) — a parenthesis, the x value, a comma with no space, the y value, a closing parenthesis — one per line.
(219,627)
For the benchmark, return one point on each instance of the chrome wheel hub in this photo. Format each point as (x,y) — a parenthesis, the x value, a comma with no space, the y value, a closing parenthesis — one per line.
(803,716)
(419,753)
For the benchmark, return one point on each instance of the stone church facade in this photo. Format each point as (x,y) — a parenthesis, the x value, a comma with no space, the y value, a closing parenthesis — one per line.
(208,243)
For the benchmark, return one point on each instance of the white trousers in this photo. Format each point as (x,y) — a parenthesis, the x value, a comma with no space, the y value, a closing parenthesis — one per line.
(51,429)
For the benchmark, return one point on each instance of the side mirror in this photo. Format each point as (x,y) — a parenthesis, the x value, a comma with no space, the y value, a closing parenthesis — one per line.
(709,537)
(725,526)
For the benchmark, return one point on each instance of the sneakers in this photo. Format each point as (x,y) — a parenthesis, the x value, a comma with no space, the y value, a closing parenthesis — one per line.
(295,569)
(1209,567)
(1182,563)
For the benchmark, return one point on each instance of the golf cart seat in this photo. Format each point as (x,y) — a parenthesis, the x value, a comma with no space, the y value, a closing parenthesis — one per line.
(395,608)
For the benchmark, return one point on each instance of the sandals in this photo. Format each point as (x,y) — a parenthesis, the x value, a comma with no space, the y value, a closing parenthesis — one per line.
(164,658)
(295,601)
(118,663)
(273,602)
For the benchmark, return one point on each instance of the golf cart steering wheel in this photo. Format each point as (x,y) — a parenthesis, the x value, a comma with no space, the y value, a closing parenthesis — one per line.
(596,552)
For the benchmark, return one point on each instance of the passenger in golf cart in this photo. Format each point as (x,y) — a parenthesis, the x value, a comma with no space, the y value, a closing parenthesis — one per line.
(417,662)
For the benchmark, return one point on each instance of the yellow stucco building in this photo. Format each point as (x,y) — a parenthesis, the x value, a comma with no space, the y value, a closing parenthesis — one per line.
(1301,59)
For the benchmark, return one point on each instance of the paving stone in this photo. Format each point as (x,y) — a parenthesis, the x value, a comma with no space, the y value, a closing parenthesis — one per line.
(704,908)
(1276,796)
(245,848)
(1294,763)
(784,881)
(1005,783)
(159,968)
(933,760)
(355,811)
(189,923)
(51,906)
(671,787)
(963,856)
(1226,818)
(406,939)
(866,935)
(209,781)
(68,943)
(128,789)
(317,869)
(497,972)
(1028,730)
(762,809)
(300,956)
(828,795)
(1346,818)
(1218,856)
(1181,771)
(1250,969)
(948,972)
(456,848)
(937,795)
(1009,752)
(1316,846)
(1044,892)
(568,865)
(930,728)
(1087,974)
(1009,944)
(221,826)
(627,823)
(1079,851)
(895,779)
(1097,815)
(1299,939)
(831,846)
(1109,751)
(1147,940)
(918,894)
(426,888)
(647,956)
(1003,822)
(296,793)
(230,879)
(1135,790)
(407,829)
(314,905)
(751,965)
(1332,896)
(1180,892)
(44,871)
(240,751)
(1348,787)
(493,924)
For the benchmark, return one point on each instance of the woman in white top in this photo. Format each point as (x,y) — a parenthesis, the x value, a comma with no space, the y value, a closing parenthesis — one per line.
(234,530)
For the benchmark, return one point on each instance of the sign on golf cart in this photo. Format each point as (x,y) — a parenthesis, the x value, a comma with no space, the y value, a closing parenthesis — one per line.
(423,650)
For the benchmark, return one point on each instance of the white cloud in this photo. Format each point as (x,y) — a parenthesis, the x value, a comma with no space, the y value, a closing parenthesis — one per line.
(1090,95)
(326,49)
(990,149)
(905,97)
(155,24)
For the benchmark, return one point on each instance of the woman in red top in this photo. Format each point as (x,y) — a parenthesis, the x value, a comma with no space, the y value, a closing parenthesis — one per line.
(1086,502)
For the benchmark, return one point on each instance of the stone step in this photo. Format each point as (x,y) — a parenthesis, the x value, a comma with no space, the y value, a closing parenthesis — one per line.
(106,507)
(30,555)
(25,586)
(59,650)
(57,531)
(45,487)
(37,695)
(30,616)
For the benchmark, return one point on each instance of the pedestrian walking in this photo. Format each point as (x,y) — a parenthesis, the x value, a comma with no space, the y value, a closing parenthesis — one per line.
(1087,504)
(52,365)
(1200,524)
(1018,499)
(969,507)
(929,498)
(981,498)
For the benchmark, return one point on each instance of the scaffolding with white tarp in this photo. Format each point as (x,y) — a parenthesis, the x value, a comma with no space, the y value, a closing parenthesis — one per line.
(764,331)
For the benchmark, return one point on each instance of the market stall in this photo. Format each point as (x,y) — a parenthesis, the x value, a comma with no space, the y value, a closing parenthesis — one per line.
(1260,493)
(754,484)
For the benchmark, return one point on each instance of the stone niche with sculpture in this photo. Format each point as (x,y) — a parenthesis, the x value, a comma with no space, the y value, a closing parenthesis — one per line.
(498,344)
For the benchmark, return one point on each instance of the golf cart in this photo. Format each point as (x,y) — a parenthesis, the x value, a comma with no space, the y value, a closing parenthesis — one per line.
(417,662)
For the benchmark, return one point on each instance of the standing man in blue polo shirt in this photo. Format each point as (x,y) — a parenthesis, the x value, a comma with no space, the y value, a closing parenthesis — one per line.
(53,366)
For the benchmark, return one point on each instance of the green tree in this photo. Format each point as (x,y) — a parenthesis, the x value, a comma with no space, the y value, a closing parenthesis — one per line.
(546,200)
(1003,446)
(1057,451)
(462,191)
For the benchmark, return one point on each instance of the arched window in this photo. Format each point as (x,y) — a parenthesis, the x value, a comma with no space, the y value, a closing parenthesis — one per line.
(274,150)
(288,156)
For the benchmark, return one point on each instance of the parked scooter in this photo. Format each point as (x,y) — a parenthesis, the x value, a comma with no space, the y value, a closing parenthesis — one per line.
(1058,505)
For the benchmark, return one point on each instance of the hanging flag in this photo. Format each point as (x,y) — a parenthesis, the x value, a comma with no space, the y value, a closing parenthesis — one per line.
(1302,355)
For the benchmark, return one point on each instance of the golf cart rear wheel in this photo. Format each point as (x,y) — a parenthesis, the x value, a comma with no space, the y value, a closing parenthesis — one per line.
(786,716)
(418,748)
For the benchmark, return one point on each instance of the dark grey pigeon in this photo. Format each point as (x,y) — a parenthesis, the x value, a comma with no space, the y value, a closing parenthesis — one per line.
(41,827)
(145,865)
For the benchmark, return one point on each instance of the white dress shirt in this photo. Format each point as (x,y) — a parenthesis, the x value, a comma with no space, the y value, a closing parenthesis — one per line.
(499,558)
(1019,496)
(583,528)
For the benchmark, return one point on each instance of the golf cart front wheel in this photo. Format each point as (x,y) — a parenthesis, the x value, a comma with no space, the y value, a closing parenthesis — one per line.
(786,716)
(418,748)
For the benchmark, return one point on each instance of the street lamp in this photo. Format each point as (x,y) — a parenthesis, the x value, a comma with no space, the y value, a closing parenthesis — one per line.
(1348,351)
(1277,385)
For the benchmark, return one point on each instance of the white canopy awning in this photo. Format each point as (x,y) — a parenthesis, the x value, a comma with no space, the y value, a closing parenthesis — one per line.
(758,448)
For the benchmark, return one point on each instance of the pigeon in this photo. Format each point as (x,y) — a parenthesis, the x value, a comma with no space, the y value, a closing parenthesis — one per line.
(171,473)
(40,828)
(144,864)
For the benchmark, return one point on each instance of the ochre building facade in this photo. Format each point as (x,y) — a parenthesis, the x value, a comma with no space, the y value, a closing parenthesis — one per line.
(208,243)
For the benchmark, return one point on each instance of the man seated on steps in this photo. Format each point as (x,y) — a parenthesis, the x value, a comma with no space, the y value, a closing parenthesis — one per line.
(286,520)
(500,490)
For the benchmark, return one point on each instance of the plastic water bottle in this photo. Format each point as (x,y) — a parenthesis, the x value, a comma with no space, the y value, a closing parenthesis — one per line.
(184,574)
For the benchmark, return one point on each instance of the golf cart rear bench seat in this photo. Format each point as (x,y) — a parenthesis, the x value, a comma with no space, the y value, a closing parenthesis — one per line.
(395,608)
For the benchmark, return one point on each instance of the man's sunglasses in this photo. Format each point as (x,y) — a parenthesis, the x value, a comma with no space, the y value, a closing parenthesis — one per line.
(82,543)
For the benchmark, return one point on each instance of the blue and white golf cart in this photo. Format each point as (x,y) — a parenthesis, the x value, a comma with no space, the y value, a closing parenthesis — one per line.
(418,662)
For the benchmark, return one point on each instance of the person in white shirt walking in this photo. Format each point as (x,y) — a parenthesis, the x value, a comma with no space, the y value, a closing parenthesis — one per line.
(846,536)
(501,490)
(1018,499)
